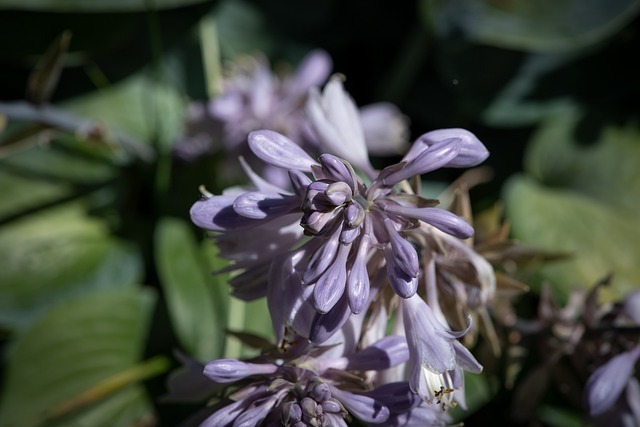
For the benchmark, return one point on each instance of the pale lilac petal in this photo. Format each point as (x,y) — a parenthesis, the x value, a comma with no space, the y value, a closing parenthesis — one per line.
(331,284)
(606,383)
(216,213)
(403,253)
(336,124)
(321,259)
(362,407)
(278,150)
(225,416)
(255,413)
(465,359)
(260,183)
(472,151)
(385,353)
(386,129)
(429,342)
(403,284)
(261,205)
(337,169)
(313,70)
(397,396)
(429,159)
(230,370)
(443,220)
(324,326)
(358,280)
(631,306)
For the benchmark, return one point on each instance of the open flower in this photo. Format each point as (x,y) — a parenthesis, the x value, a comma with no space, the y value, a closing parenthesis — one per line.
(346,219)
(307,385)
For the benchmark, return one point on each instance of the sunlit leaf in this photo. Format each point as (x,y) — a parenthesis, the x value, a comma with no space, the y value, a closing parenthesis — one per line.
(189,291)
(581,199)
(140,106)
(541,25)
(77,344)
(54,255)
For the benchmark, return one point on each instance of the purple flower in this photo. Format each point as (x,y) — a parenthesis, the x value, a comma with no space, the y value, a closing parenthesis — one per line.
(308,385)
(607,383)
(346,219)
(437,357)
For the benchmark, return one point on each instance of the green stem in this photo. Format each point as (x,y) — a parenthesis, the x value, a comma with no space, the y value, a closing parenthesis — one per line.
(211,59)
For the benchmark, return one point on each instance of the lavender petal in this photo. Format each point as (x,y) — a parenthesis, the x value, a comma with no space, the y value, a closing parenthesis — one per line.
(384,353)
(216,213)
(435,157)
(361,406)
(443,220)
(278,150)
(472,151)
(261,205)
(230,370)
(331,284)
(605,385)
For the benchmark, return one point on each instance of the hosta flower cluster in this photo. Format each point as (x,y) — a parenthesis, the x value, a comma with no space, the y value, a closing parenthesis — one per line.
(345,253)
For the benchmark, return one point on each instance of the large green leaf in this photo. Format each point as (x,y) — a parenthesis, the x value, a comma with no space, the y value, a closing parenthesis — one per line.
(583,200)
(76,345)
(192,292)
(55,254)
(540,25)
(141,106)
(95,5)
(21,193)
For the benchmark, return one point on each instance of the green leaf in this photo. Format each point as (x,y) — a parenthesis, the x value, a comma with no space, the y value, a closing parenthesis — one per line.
(537,26)
(95,5)
(21,193)
(605,170)
(57,254)
(583,200)
(77,344)
(190,291)
(141,106)
(601,239)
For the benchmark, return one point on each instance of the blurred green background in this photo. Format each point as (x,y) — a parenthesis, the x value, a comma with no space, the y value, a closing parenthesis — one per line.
(102,276)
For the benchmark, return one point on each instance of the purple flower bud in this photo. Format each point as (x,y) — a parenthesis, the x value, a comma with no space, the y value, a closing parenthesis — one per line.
(308,406)
(439,218)
(278,150)
(403,253)
(429,159)
(321,259)
(300,182)
(336,169)
(397,396)
(403,284)
(330,285)
(605,385)
(312,71)
(472,151)
(323,326)
(319,391)
(259,205)
(291,412)
(363,407)
(216,213)
(332,406)
(385,353)
(358,280)
(338,192)
(230,370)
